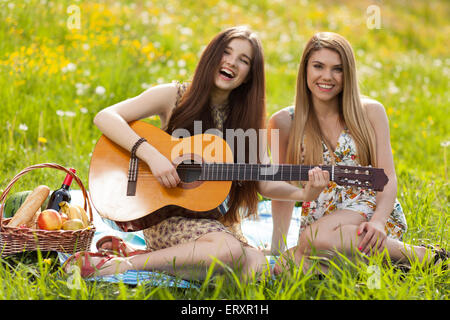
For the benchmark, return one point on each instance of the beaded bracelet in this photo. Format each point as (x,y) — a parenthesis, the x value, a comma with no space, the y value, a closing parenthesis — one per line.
(136,145)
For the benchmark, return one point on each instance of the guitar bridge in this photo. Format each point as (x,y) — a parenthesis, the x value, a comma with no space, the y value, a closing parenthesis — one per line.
(133,169)
(132,176)
(131,188)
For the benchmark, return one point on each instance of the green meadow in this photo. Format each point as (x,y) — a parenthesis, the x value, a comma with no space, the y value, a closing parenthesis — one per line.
(63,61)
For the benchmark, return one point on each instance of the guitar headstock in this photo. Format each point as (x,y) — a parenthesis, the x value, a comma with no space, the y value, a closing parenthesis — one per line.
(364,177)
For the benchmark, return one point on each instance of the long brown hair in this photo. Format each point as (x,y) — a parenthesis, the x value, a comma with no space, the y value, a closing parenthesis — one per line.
(246,108)
(305,130)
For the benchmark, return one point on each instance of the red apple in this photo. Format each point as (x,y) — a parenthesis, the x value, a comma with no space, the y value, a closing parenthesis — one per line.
(49,220)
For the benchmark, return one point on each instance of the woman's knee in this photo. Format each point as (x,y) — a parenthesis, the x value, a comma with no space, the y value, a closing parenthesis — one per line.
(233,253)
(329,232)
(227,248)
(310,241)
(347,237)
(254,260)
(337,238)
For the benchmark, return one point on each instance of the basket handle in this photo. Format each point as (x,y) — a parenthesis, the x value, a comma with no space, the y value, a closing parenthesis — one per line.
(87,202)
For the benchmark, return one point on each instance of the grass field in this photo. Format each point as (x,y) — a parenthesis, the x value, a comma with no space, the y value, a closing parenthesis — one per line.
(56,75)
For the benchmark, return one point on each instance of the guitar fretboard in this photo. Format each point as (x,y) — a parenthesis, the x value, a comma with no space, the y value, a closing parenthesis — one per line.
(257,172)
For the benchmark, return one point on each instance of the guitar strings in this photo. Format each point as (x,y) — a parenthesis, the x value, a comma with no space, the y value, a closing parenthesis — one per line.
(216,168)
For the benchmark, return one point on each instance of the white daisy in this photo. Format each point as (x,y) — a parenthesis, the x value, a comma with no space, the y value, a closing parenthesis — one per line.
(100,90)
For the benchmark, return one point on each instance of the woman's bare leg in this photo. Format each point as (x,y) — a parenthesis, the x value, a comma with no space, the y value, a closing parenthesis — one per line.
(338,232)
(191,260)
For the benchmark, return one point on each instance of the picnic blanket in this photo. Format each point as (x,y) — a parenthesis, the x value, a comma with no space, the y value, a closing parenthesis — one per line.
(258,233)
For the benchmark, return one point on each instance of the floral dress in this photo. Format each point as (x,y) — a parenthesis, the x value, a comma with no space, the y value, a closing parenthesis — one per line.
(336,197)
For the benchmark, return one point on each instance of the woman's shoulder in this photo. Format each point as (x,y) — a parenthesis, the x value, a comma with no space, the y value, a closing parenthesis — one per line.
(375,111)
(371,105)
(172,89)
(282,119)
(180,86)
(167,91)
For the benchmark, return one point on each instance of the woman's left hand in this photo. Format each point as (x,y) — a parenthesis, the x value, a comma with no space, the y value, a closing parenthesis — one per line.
(374,238)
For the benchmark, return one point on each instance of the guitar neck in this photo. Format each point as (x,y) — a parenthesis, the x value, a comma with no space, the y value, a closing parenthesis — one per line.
(258,172)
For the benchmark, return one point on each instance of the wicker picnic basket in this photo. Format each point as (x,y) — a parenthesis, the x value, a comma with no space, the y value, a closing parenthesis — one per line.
(14,239)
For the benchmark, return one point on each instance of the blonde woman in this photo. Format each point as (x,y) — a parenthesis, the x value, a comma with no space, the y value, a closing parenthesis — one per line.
(332,124)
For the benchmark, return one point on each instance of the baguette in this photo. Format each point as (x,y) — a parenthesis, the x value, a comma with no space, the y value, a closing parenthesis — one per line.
(29,207)
(33,222)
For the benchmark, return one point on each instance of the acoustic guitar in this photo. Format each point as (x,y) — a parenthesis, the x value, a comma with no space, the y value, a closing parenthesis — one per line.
(131,196)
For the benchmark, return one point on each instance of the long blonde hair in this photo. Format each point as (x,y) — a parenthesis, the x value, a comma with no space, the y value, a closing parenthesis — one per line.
(305,130)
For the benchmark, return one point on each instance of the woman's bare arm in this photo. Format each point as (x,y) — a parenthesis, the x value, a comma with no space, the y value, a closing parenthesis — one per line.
(113,123)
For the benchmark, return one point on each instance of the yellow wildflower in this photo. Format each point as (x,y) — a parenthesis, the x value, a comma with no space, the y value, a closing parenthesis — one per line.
(42,140)
(390,110)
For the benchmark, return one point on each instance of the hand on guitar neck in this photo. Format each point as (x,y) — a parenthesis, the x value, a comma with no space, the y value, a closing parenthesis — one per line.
(317,181)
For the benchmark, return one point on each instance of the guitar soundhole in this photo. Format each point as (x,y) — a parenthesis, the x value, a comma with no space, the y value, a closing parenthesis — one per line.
(189,171)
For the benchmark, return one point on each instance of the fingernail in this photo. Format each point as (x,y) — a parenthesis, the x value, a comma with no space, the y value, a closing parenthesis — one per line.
(359,233)
(360,248)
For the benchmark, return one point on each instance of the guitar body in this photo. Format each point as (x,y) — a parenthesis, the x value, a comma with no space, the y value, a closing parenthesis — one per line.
(108,180)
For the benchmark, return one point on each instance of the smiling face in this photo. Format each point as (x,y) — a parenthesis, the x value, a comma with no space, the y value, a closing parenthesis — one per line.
(324,75)
(235,65)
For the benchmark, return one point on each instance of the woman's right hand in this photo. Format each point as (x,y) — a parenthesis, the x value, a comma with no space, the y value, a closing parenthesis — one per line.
(163,170)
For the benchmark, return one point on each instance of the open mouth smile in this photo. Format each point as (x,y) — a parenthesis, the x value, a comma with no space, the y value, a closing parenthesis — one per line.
(227,73)
(325,87)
